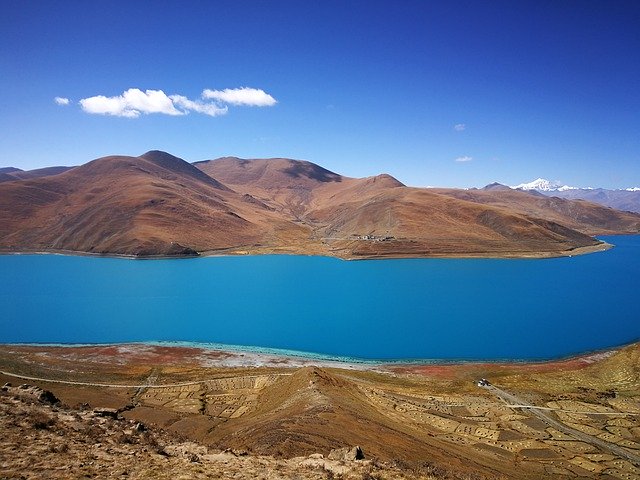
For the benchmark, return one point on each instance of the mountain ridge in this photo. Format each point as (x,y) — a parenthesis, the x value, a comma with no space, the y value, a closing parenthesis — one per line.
(627,199)
(542,184)
(158,204)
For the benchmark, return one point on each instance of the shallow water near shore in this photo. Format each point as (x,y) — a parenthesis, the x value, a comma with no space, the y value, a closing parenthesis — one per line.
(480,309)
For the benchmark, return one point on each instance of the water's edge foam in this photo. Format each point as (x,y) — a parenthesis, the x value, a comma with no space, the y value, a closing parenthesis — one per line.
(311,356)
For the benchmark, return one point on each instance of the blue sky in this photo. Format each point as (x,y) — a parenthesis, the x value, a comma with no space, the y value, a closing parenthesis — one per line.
(540,88)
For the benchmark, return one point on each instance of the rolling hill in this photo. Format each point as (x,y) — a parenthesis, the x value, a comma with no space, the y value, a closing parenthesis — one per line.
(154,204)
(584,216)
(157,204)
(379,216)
(8,174)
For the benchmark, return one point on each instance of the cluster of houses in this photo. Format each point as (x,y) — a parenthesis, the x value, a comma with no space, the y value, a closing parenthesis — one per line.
(375,238)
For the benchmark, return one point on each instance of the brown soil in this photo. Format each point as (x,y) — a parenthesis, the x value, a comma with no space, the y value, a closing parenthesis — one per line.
(41,439)
(159,205)
(420,418)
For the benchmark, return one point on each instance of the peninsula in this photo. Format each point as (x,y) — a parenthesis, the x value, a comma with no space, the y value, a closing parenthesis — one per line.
(157,204)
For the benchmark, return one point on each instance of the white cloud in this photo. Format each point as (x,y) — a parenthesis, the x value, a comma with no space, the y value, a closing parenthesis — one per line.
(211,109)
(131,104)
(61,100)
(459,127)
(252,97)
(134,102)
(464,159)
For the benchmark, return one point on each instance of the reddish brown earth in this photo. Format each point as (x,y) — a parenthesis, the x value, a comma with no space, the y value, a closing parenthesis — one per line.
(42,438)
(9,174)
(578,214)
(158,204)
(422,419)
(155,204)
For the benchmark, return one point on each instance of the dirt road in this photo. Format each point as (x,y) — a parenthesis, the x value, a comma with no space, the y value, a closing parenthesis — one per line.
(552,422)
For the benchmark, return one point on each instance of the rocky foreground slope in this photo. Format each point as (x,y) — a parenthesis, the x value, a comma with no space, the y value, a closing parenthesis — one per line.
(158,204)
(574,418)
(43,439)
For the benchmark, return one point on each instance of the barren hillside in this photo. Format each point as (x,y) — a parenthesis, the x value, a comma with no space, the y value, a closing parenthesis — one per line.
(157,204)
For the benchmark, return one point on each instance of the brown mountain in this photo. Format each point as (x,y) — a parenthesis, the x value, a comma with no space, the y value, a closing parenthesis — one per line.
(293,187)
(495,186)
(158,204)
(11,173)
(587,217)
(155,204)
(379,216)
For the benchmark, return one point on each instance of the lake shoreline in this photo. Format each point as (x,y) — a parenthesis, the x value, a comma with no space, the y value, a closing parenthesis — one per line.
(243,411)
(234,356)
(242,251)
(416,312)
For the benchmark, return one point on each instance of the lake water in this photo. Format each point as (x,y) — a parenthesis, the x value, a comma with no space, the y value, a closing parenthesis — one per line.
(385,309)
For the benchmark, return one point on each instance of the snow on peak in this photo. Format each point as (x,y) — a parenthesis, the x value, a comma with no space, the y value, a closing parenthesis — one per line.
(543,185)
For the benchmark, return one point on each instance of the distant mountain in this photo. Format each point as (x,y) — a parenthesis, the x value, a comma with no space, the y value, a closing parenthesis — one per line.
(5,177)
(8,174)
(541,185)
(159,204)
(627,199)
(9,170)
(496,186)
(583,216)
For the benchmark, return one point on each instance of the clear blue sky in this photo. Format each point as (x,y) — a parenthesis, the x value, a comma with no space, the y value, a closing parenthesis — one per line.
(540,88)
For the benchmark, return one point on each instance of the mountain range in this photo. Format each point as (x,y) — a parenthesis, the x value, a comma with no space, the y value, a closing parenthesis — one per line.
(157,204)
(627,199)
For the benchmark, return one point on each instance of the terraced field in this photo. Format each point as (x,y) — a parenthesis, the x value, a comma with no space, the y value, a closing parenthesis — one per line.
(220,398)
(507,433)
(578,418)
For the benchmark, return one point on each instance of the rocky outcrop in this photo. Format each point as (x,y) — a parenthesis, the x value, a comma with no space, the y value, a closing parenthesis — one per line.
(106,412)
(346,454)
(33,392)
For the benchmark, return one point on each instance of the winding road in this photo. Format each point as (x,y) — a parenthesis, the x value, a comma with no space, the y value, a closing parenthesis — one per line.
(516,402)
(148,384)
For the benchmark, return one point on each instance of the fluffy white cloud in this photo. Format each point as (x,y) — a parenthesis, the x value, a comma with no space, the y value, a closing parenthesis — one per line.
(211,109)
(134,102)
(131,104)
(464,159)
(252,97)
(459,127)
(61,100)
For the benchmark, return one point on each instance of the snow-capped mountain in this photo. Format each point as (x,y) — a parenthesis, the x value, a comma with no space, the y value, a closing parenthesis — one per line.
(622,199)
(543,185)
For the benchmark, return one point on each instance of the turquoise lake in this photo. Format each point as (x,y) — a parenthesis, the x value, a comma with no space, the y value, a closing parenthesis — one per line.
(377,309)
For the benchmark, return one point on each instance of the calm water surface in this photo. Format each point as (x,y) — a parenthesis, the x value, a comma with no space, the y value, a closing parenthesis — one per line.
(400,309)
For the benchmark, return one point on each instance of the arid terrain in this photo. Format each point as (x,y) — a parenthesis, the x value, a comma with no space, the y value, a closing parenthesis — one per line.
(222,414)
(160,205)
